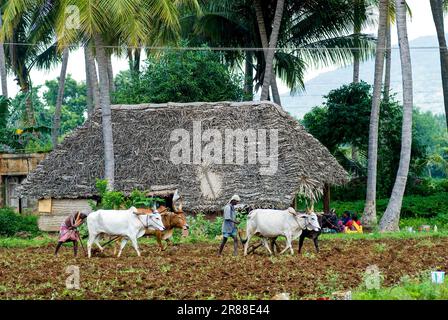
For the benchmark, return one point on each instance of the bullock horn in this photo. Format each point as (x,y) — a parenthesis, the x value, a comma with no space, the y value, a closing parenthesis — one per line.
(176,195)
(177,206)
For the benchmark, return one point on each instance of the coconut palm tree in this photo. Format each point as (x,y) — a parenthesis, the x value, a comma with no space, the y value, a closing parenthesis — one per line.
(360,20)
(388,67)
(268,71)
(314,33)
(127,22)
(106,112)
(110,72)
(3,73)
(31,43)
(437,7)
(265,44)
(134,57)
(369,218)
(388,61)
(391,217)
(93,95)
(59,98)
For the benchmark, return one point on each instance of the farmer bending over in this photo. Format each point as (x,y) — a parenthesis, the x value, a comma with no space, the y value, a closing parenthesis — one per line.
(229,225)
(69,231)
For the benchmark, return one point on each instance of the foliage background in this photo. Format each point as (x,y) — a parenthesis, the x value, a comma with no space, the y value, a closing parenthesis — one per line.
(180,76)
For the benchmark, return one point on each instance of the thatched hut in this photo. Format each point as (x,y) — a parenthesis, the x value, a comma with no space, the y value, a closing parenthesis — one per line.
(164,147)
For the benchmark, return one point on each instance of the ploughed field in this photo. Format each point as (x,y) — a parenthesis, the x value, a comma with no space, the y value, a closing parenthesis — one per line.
(194,271)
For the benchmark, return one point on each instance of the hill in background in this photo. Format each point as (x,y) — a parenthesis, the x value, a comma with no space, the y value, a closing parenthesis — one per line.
(428,95)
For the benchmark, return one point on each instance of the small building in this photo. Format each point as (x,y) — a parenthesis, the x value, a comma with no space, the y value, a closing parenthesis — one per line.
(14,168)
(208,151)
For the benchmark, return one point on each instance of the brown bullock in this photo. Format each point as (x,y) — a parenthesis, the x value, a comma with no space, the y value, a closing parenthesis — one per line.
(171,221)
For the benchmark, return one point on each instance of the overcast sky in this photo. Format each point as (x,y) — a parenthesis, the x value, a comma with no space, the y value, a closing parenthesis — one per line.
(420,25)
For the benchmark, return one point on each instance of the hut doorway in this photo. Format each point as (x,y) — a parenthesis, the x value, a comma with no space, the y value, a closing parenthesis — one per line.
(168,200)
(12,199)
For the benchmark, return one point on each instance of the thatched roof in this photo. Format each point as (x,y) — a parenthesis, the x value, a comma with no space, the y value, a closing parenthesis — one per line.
(142,149)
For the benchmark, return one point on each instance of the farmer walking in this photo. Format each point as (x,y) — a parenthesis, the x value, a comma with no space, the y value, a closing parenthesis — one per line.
(69,231)
(229,228)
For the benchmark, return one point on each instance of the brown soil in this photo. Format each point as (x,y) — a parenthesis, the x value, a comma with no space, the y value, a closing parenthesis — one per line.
(194,271)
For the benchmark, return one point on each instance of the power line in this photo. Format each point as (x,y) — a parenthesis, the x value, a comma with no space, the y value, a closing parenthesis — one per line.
(218,48)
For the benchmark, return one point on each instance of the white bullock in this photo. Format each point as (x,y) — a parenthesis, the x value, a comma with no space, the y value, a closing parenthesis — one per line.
(269,223)
(125,223)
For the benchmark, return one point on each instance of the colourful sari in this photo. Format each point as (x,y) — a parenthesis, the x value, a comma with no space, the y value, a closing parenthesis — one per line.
(68,231)
(66,234)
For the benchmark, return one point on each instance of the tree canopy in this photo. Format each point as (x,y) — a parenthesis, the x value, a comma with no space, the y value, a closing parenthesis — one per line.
(342,123)
(180,76)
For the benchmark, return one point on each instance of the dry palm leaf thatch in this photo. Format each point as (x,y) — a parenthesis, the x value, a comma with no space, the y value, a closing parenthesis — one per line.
(310,188)
(143,146)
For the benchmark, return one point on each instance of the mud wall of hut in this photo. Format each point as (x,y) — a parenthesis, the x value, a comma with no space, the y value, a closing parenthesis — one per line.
(52,212)
(13,170)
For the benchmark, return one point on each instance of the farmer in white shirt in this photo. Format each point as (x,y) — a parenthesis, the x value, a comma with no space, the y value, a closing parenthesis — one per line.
(229,228)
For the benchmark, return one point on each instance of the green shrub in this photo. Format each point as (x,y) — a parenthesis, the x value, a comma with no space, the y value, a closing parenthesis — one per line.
(112,200)
(139,199)
(426,186)
(354,190)
(203,229)
(180,76)
(117,200)
(4,112)
(198,227)
(11,223)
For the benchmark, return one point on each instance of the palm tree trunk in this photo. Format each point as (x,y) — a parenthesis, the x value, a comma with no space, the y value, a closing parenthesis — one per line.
(59,99)
(131,60)
(25,88)
(248,77)
(265,44)
(437,14)
(110,73)
(268,73)
(356,33)
(391,218)
(369,218)
(109,161)
(89,91)
(137,54)
(3,73)
(388,62)
(30,121)
(93,78)
(355,67)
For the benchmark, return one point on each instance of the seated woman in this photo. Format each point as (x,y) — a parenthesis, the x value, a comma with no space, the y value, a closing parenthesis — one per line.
(330,221)
(353,225)
(344,221)
(346,217)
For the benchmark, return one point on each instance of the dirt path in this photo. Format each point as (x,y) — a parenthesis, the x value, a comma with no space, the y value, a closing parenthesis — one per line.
(193,271)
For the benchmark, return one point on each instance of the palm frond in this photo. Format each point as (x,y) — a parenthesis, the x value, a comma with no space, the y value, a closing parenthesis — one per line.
(337,51)
(311,189)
